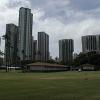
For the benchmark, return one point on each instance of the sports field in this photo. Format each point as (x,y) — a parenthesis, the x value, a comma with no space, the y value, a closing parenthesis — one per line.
(50,86)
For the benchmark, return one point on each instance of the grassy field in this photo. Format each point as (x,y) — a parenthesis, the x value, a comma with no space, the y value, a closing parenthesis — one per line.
(50,86)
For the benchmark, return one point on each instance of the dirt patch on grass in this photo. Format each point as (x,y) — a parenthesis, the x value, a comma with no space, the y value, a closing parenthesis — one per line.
(52,78)
(63,78)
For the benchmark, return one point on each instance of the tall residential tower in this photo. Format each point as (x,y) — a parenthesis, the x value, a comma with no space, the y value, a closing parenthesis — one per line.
(43,46)
(34,50)
(66,48)
(91,43)
(11,44)
(25,34)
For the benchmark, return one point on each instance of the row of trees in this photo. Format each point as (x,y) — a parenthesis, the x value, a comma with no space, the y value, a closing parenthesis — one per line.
(92,58)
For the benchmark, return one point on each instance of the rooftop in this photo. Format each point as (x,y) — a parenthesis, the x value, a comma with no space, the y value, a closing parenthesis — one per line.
(45,64)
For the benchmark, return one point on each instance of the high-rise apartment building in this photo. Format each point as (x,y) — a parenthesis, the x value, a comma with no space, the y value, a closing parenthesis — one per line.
(11,44)
(66,48)
(34,50)
(91,43)
(43,46)
(25,34)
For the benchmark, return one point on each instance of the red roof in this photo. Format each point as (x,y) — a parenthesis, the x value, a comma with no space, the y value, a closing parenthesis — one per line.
(45,64)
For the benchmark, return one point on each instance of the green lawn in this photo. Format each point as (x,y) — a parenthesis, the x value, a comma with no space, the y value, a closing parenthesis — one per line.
(50,86)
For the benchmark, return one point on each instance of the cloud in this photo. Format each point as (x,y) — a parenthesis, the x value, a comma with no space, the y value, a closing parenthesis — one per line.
(58,30)
(61,19)
(18,3)
(9,14)
(85,4)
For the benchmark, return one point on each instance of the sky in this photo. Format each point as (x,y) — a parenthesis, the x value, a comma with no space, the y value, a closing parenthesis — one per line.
(61,19)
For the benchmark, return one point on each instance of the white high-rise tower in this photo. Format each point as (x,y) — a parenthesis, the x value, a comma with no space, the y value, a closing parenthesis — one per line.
(25,34)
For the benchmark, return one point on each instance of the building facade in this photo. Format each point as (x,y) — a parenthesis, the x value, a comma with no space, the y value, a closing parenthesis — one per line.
(25,34)
(11,44)
(35,50)
(91,43)
(45,67)
(66,49)
(43,46)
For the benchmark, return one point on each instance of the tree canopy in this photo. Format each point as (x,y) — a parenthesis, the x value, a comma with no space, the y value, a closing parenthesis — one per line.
(92,58)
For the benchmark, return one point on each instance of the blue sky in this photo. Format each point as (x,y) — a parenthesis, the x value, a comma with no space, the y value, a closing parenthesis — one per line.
(61,19)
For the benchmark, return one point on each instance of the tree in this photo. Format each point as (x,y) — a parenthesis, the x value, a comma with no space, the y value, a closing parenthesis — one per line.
(8,46)
(92,58)
(51,61)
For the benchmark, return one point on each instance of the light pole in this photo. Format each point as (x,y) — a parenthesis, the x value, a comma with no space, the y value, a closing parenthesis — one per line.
(1,52)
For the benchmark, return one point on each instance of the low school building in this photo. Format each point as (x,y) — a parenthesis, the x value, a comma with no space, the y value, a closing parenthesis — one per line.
(45,67)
